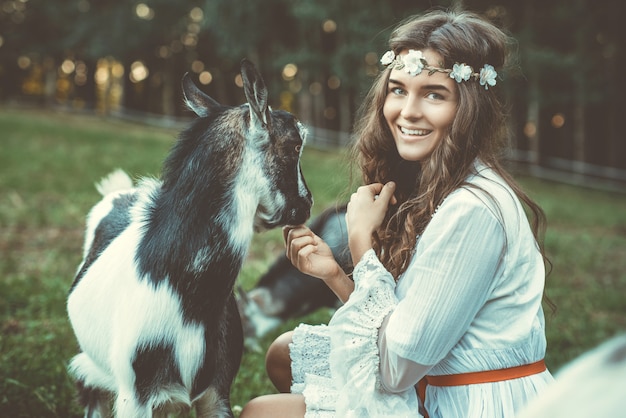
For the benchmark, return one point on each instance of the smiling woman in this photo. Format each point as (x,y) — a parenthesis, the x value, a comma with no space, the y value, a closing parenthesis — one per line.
(449,274)
(419,109)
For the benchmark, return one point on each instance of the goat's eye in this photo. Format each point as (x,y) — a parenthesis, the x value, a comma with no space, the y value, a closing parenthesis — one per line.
(298,148)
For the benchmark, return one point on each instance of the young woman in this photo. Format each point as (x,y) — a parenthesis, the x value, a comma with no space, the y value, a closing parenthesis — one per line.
(444,314)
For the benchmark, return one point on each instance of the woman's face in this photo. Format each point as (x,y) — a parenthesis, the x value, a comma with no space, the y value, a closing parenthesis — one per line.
(420,109)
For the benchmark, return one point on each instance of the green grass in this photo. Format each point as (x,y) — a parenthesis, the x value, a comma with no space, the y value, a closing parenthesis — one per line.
(49,162)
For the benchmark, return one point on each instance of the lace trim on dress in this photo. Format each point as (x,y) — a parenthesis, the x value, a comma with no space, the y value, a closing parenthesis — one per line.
(310,370)
(354,357)
(309,353)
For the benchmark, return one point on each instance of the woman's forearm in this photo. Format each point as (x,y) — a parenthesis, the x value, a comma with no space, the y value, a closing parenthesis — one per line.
(341,285)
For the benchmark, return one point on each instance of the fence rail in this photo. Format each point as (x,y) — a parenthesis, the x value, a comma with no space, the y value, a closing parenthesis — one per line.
(554,169)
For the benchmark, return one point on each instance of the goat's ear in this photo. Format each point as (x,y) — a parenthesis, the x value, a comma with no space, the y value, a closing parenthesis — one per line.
(197,100)
(256,92)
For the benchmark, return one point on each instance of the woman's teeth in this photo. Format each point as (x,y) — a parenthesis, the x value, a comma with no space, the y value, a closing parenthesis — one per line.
(419,132)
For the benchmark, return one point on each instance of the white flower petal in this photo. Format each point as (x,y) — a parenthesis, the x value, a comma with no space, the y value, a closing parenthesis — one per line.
(388,57)
(413,62)
(488,76)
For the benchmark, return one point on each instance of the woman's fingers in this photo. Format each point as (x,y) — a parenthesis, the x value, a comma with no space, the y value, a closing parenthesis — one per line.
(298,246)
(290,232)
(297,239)
(386,194)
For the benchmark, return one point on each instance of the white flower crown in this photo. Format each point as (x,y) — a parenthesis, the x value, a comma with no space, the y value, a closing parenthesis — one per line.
(414,62)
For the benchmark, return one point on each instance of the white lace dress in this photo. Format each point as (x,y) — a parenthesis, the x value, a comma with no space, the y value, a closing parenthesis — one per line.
(469,301)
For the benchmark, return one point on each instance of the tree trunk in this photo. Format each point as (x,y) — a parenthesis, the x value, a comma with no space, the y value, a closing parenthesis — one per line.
(581,92)
(168,93)
(345,116)
(531,127)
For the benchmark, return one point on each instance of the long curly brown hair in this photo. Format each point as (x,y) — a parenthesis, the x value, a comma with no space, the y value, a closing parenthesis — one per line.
(478,131)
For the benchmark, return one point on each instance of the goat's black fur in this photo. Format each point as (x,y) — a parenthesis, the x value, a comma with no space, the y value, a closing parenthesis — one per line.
(152,304)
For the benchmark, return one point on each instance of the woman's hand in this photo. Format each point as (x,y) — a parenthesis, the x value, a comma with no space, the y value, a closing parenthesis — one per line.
(312,256)
(309,253)
(366,211)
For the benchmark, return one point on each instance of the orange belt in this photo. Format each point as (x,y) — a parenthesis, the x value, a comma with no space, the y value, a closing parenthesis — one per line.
(472,378)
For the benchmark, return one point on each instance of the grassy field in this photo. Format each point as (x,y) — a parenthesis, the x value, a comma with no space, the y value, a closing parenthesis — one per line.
(49,162)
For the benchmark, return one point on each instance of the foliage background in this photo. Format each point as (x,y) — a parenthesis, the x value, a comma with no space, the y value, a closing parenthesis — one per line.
(566,110)
(565,95)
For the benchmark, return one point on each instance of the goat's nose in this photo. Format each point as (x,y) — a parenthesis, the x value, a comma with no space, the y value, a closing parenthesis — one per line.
(300,215)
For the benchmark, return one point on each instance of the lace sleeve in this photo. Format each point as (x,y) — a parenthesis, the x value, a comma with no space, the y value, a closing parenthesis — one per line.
(354,357)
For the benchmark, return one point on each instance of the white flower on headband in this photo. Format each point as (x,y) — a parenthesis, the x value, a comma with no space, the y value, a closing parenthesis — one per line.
(414,62)
(461,72)
(388,58)
(488,76)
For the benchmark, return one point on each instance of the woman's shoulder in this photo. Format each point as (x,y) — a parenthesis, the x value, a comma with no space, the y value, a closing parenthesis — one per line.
(486,192)
(486,185)
(485,177)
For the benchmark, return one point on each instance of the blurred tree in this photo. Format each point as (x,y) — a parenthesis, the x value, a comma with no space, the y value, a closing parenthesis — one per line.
(328,42)
(318,58)
(565,101)
(30,32)
(159,36)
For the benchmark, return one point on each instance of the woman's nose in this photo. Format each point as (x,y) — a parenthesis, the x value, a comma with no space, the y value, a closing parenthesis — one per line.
(411,109)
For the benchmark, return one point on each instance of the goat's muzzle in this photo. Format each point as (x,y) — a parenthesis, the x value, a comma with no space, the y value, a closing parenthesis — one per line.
(295,213)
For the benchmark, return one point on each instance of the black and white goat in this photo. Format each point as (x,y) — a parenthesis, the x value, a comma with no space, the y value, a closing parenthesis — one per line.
(152,304)
(284,292)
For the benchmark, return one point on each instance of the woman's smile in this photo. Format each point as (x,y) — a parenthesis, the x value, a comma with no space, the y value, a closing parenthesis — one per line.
(418,133)
(420,109)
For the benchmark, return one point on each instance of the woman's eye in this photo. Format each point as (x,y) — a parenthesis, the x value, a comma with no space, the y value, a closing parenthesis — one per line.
(397,91)
(434,96)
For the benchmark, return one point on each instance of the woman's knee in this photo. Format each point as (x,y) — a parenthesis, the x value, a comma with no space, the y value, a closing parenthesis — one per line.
(278,351)
(271,406)
(278,362)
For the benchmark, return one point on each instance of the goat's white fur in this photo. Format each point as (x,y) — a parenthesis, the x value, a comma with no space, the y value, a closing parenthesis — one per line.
(116,181)
(110,187)
(124,295)
(118,314)
(113,341)
(248,192)
(301,185)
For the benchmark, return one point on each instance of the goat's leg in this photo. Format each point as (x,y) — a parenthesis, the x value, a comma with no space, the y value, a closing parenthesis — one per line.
(158,413)
(127,405)
(215,402)
(211,405)
(97,403)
